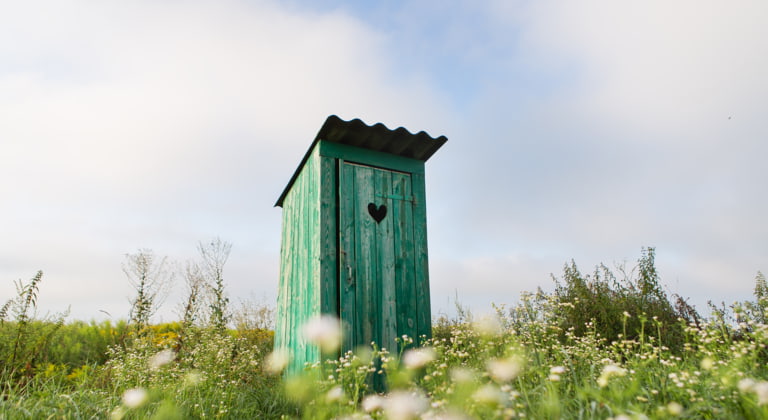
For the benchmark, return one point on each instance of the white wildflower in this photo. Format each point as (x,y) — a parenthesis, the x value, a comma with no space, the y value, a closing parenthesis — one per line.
(402,405)
(761,390)
(674,408)
(557,370)
(487,325)
(504,370)
(118,413)
(161,358)
(608,372)
(488,394)
(334,394)
(325,332)
(372,403)
(277,361)
(193,378)
(448,415)
(418,358)
(135,397)
(460,374)
(746,385)
(707,363)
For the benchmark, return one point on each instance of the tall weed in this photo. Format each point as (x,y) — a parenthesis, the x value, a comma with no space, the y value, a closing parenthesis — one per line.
(23,340)
(631,307)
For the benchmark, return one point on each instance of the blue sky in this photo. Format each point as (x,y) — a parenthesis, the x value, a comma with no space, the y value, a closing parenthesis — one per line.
(580,130)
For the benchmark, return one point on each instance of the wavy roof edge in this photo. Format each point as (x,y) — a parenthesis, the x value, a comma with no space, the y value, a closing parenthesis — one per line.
(377,137)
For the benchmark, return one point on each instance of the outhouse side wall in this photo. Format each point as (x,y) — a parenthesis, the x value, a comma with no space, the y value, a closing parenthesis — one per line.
(299,288)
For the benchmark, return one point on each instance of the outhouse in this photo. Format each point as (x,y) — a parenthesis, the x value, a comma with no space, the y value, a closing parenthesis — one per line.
(354,238)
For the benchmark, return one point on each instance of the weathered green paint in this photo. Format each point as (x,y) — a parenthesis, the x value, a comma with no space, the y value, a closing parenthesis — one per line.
(300,293)
(378,300)
(336,259)
(371,157)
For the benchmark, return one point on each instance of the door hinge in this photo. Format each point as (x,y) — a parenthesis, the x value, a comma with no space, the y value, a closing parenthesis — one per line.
(396,197)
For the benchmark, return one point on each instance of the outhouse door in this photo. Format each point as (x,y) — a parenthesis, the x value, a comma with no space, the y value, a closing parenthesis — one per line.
(377,290)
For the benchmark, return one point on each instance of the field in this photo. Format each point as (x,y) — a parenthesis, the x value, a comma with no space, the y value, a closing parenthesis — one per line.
(596,348)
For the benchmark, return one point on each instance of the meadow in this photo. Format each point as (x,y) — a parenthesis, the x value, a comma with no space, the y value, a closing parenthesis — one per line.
(600,346)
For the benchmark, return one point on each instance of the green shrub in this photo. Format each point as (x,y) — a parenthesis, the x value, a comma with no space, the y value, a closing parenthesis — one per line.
(82,343)
(633,307)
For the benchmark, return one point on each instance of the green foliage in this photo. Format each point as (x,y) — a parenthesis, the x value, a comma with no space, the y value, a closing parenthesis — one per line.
(95,370)
(443,326)
(535,370)
(85,343)
(26,303)
(757,310)
(216,376)
(205,378)
(628,308)
(739,321)
(530,360)
(24,341)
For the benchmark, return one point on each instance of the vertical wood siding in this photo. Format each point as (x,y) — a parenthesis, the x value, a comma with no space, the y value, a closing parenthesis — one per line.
(299,297)
(421,270)
(380,297)
(336,258)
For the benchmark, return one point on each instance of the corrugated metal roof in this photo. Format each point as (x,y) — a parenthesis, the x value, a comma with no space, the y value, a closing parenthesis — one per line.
(376,137)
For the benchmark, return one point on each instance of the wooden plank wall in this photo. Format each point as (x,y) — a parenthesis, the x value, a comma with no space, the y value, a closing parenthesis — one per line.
(335,259)
(299,290)
(381,296)
(421,271)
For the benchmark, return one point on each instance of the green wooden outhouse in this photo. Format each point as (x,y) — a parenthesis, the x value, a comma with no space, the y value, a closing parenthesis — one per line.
(354,238)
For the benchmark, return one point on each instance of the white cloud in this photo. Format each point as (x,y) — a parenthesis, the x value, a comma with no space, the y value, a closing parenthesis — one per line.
(146,124)
(630,125)
(660,65)
(588,130)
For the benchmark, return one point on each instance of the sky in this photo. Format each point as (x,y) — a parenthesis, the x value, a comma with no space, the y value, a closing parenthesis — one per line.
(577,130)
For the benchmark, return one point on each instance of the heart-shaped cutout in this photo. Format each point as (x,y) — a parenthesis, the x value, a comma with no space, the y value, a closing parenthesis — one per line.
(378,213)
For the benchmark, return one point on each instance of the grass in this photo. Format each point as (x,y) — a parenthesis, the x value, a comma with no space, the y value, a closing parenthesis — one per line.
(530,372)
(543,358)
(476,368)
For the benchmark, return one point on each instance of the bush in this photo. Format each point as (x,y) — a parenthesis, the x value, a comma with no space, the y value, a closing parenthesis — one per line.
(633,307)
(85,343)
